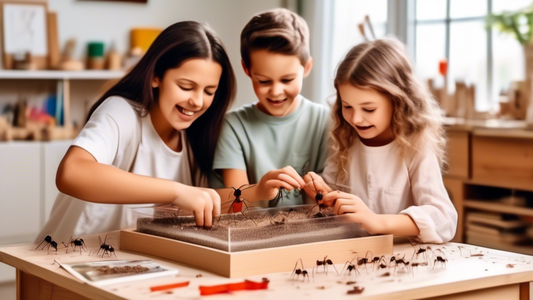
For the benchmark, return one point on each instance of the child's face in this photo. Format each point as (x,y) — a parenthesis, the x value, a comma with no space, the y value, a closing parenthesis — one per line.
(277,81)
(186,92)
(369,112)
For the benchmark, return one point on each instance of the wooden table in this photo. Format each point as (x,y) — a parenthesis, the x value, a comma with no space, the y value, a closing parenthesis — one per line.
(495,275)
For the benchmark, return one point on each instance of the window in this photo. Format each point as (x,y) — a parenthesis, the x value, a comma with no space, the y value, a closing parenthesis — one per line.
(455,30)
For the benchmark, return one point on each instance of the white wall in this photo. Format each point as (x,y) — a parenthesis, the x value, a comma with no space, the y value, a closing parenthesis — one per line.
(111,21)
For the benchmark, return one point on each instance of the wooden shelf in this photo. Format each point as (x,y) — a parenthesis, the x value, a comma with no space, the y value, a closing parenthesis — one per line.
(516,184)
(498,207)
(64,75)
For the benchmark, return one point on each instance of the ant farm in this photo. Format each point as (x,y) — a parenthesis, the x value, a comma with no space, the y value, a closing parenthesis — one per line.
(257,241)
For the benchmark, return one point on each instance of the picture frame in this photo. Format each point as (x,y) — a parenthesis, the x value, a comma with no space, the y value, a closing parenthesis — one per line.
(24,29)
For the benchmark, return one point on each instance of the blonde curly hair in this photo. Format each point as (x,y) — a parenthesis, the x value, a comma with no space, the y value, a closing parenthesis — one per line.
(383,65)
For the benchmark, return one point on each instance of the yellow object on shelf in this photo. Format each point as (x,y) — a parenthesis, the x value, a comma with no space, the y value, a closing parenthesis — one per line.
(143,37)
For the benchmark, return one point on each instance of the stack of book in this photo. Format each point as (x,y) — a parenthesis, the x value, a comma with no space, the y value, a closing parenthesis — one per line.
(494,230)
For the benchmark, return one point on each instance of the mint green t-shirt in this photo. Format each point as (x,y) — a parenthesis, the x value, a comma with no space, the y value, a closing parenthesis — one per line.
(258,143)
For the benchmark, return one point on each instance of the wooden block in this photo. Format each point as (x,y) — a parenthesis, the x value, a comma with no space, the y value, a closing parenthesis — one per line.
(54,54)
(253,262)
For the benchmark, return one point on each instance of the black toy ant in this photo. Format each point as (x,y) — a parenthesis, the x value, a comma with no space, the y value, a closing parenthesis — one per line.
(324,263)
(350,267)
(78,242)
(318,197)
(106,248)
(297,271)
(400,261)
(440,259)
(49,243)
(236,204)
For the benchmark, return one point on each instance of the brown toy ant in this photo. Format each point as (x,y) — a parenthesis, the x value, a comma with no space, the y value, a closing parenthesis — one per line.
(106,248)
(49,243)
(324,263)
(297,271)
(236,204)
(78,242)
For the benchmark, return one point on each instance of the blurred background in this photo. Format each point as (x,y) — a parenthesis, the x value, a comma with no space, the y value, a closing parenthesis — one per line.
(476,56)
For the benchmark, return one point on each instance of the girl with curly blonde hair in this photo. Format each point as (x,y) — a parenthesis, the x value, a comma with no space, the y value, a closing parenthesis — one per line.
(387,148)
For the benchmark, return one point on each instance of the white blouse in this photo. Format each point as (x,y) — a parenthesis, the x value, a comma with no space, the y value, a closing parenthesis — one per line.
(388,184)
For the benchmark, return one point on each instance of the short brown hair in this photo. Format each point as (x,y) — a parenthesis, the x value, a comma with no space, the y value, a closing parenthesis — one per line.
(277,30)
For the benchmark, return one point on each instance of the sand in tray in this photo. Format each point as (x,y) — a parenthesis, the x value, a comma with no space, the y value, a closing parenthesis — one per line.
(272,228)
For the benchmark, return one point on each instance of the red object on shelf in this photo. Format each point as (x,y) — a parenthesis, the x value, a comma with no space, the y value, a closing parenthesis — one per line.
(443,66)
(168,286)
(238,286)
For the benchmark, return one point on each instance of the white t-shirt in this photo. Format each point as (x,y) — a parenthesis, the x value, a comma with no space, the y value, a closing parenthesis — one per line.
(388,184)
(115,135)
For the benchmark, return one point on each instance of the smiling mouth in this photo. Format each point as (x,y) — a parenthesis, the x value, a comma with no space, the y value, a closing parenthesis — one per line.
(184,111)
(277,101)
(364,127)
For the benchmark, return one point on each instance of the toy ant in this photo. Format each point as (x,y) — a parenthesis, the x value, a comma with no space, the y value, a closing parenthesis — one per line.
(325,262)
(318,197)
(106,248)
(364,260)
(76,243)
(350,267)
(400,261)
(301,271)
(49,243)
(440,259)
(236,204)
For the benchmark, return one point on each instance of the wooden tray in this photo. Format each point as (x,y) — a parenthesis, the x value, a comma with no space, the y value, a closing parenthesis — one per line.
(254,262)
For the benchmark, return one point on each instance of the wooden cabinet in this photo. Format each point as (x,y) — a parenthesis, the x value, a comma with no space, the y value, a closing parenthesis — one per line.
(27,182)
(490,181)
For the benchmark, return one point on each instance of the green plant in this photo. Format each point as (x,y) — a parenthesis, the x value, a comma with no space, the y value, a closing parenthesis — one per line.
(519,23)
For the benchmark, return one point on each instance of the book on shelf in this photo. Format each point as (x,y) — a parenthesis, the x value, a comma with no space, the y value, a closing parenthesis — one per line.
(101,273)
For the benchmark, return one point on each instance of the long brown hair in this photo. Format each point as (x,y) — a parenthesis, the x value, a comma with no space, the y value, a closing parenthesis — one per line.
(383,65)
(176,44)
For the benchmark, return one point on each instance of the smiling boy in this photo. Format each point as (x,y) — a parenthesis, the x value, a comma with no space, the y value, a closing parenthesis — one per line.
(275,141)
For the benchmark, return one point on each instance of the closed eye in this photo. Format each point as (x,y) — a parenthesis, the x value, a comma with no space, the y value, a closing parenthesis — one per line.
(287,80)
(209,93)
(369,110)
(264,81)
(185,88)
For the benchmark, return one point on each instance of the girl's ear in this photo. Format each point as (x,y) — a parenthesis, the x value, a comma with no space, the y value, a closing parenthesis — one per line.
(155,82)
(246,70)
(308,67)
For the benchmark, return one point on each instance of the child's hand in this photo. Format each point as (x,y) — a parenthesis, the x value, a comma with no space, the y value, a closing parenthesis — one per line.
(204,203)
(314,184)
(355,210)
(287,178)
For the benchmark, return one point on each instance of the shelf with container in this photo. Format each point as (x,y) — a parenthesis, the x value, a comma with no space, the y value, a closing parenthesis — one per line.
(66,85)
(28,168)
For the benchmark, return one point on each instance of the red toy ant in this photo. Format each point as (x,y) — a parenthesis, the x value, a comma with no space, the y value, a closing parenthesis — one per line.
(236,204)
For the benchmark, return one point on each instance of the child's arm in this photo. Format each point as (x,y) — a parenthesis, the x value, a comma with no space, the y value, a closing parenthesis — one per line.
(81,176)
(356,211)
